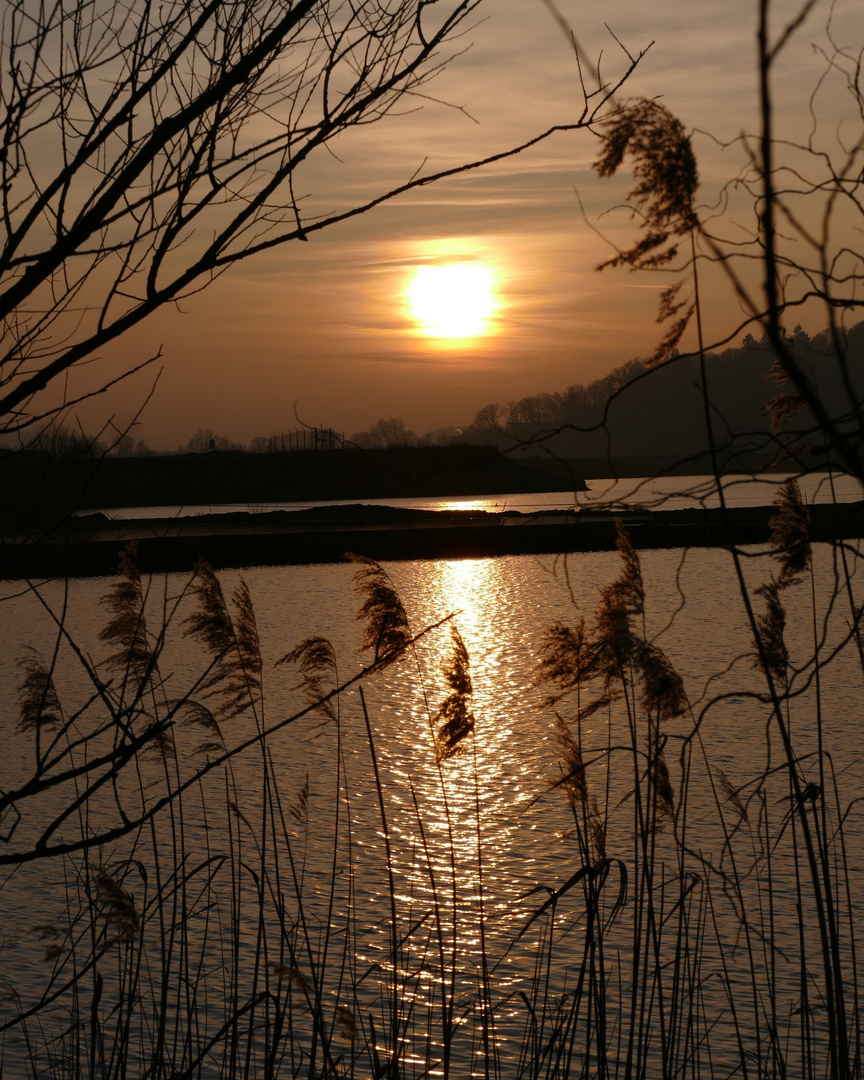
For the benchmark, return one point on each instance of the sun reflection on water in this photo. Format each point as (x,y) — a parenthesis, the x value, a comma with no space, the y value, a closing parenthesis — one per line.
(475,854)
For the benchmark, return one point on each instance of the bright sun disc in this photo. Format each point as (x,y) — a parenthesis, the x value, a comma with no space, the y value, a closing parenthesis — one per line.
(455,300)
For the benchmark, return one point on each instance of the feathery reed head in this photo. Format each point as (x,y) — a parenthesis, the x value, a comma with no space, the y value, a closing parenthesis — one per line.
(566,659)
(629,590)
(299,809)
(386,631)
(664,168)
(127,629)
(347,1023)
(454,716)
(662,687)
(248,644)
(194,714)
(118,906)
(667,179)
(211,623)
(38,704)
(160,736)
(790,534)
(287,973)
(619,603)
(784,406)
(233,643)
(664,798)
(316,659)
(572,778)
(57,940)
(771,652)
(597,825)
(731,794)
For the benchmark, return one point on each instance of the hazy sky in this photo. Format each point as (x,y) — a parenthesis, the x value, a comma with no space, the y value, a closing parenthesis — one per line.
(326,323)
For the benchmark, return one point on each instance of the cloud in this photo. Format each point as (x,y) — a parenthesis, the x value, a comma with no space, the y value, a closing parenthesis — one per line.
(323,319)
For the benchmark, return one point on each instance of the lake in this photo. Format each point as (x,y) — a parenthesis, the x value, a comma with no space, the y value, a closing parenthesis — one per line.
(694,943)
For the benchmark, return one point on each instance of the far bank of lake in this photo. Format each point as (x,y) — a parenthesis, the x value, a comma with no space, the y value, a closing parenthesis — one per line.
(89,545)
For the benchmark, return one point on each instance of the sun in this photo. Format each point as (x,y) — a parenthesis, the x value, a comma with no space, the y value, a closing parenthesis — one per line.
(452,300)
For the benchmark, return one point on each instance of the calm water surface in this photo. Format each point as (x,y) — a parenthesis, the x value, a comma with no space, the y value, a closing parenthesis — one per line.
(494,799)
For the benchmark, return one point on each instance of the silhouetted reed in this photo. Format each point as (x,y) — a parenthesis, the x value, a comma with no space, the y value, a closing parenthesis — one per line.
(315,660)
(235,677)
(667,180)
(385,624)
(454,719)
(39,706)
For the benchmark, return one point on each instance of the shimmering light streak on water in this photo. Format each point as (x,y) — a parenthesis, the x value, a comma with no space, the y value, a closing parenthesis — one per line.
(477,800)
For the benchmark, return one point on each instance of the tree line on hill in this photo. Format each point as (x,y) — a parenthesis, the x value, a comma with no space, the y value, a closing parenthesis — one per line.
(660,411)
(632,411)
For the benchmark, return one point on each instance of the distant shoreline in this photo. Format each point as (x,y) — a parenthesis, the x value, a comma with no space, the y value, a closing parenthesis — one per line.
(38,489)
(90,546)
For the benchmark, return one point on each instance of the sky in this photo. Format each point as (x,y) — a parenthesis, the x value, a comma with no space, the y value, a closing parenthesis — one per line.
(323,332)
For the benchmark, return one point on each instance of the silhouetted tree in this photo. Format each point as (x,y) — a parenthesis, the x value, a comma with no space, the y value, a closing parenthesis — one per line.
(126,446)
(62,441)
(490,416)
(206,439)
(385,435)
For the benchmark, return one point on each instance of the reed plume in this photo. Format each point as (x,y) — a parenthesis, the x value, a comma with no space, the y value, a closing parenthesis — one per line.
(790,534)
(790,547)
(118,906)
(664,167)
(211,623)
(195,714)
(782,407)
(454,716)
(662,688)
(732,795)
(597,825)
(299,809)
(160,738)
(287,973)
(785,406)
(772,654)
(233,643)
(566,659)
(39,706)
(316,659)
(386,632)
(660,782)
(58,940)
(346,1022)
(621,601)
(572,780)
(127,629)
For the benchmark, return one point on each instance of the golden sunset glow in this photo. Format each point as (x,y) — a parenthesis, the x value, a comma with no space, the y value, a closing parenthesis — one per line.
(452,300)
